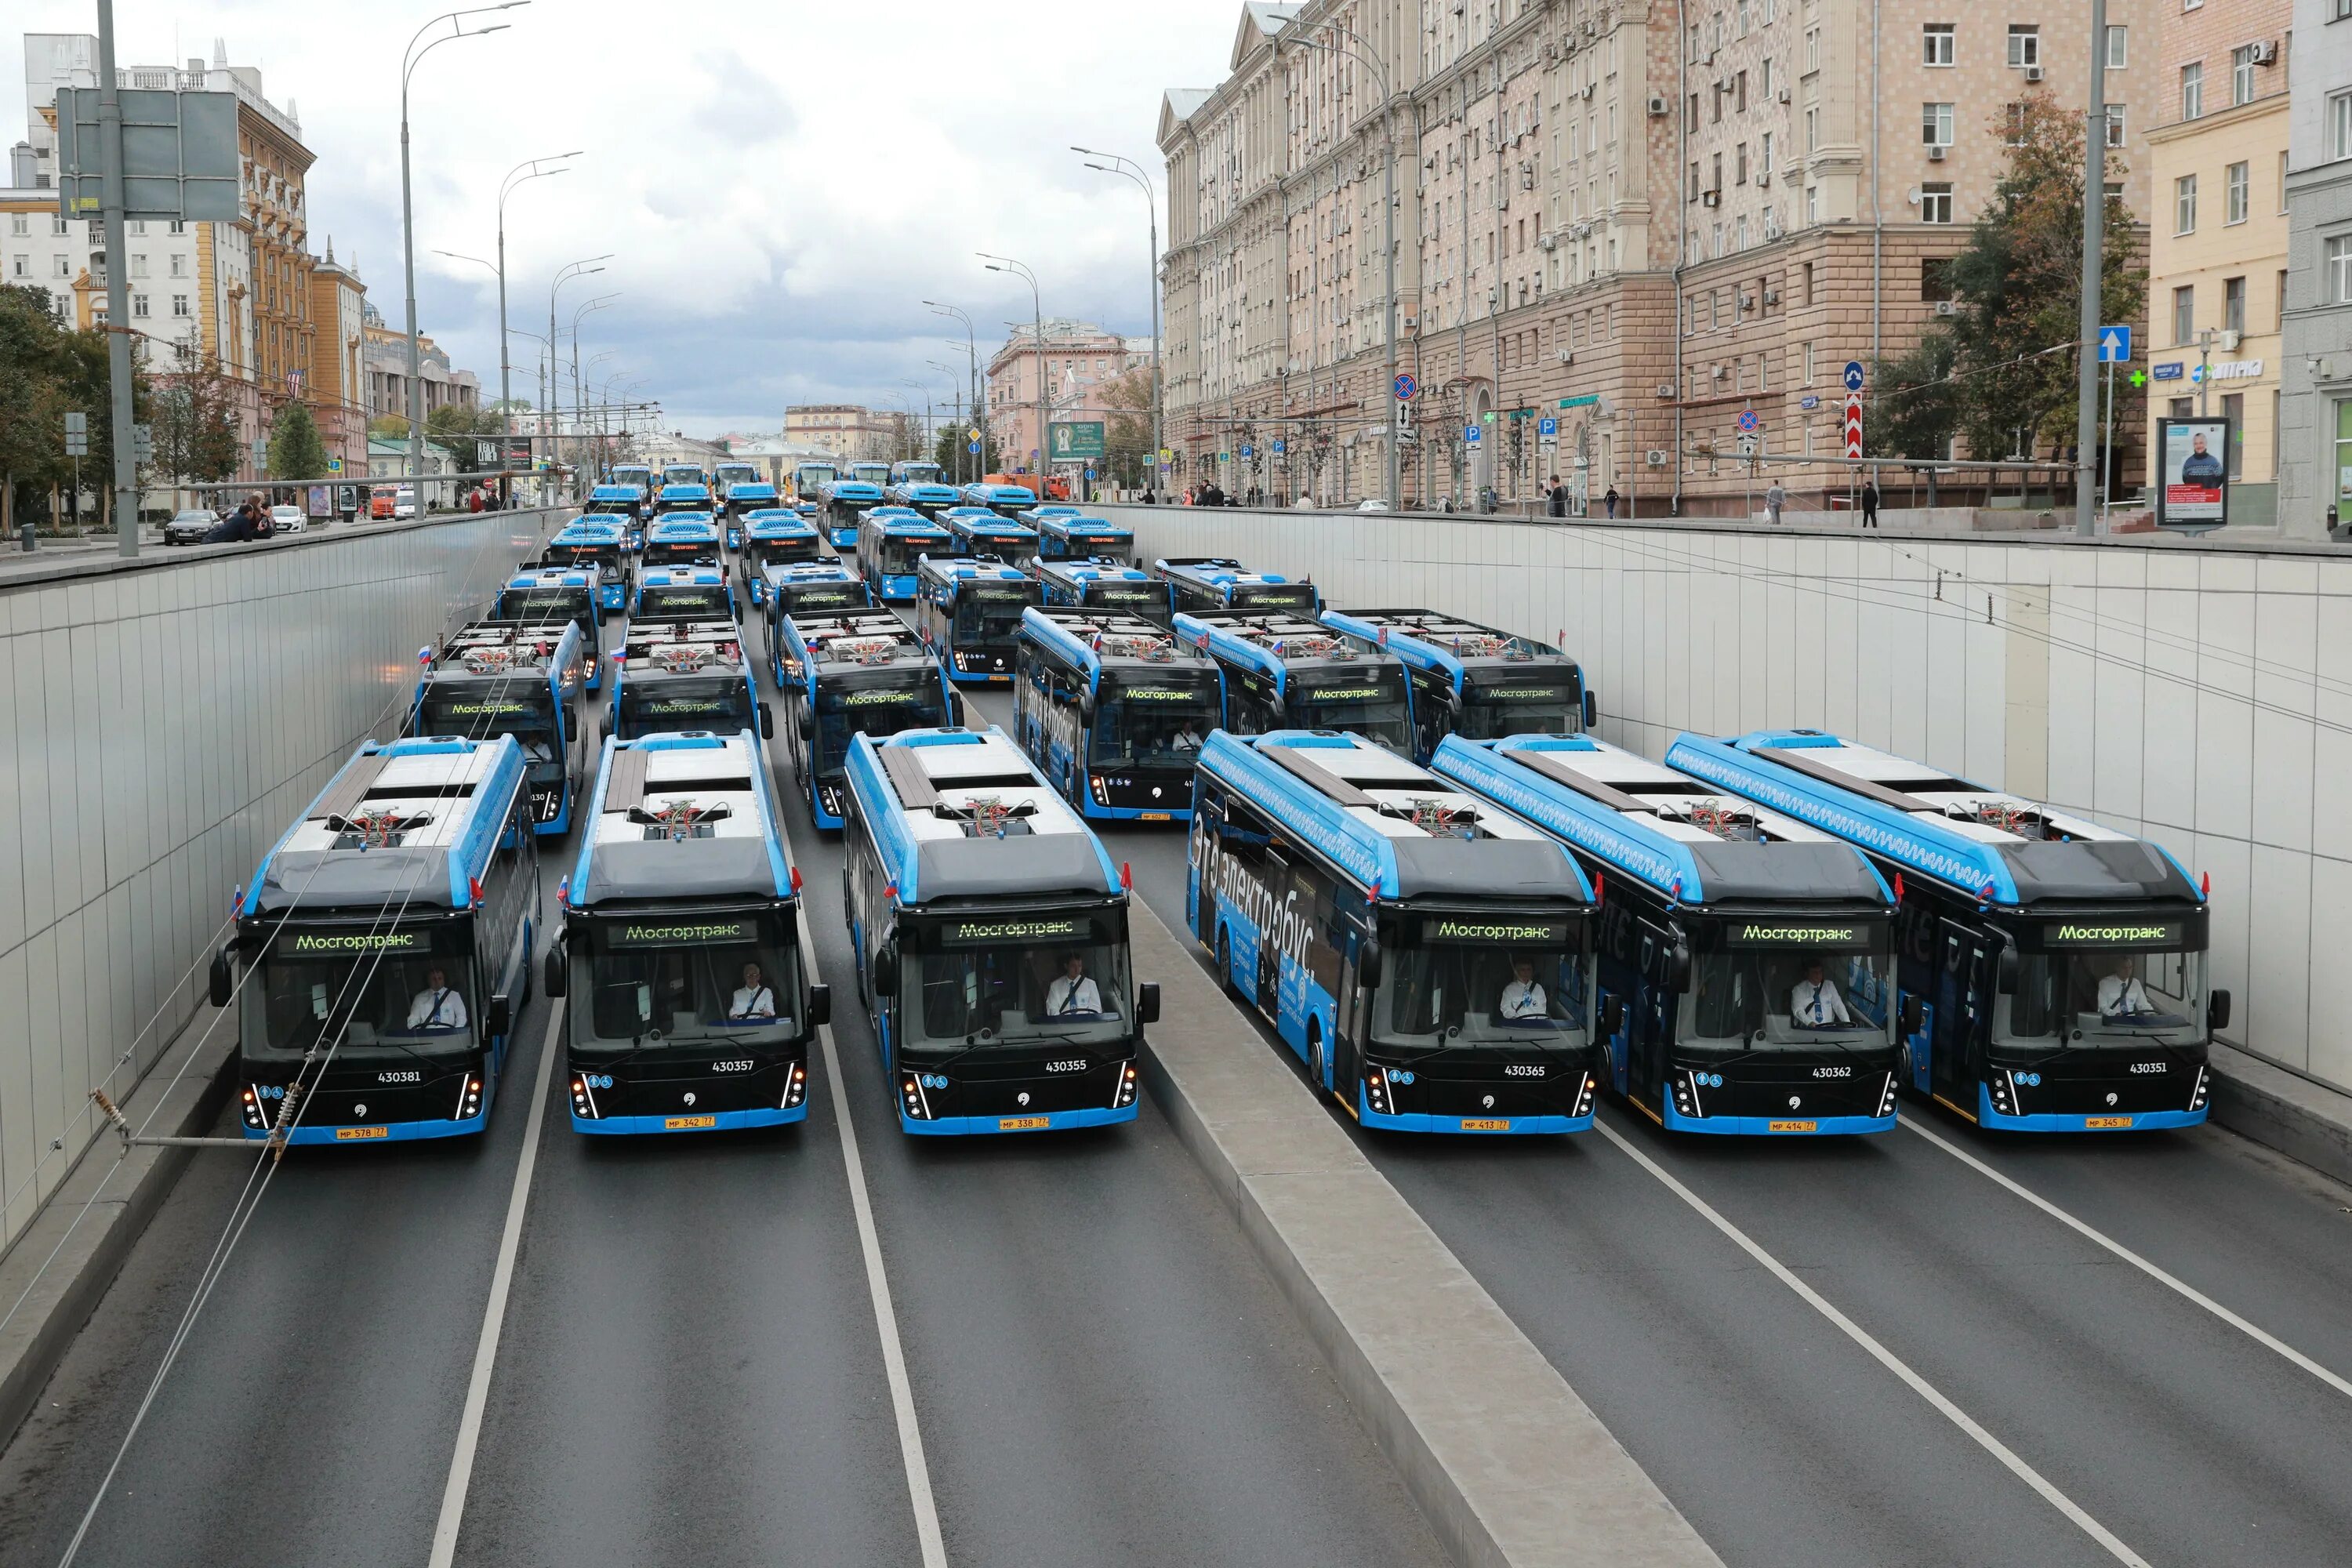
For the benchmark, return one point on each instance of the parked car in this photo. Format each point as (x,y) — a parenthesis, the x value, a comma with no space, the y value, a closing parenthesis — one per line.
(1374,504)
(189,527)
(285,520)
(405,501)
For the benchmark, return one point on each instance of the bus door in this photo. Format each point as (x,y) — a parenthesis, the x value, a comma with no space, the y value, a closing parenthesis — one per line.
(1249,701)
(1616,935)
(1963,1019)
(1650,1014)
(1432,709)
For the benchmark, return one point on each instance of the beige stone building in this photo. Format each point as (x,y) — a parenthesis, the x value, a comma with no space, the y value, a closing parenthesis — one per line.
(850,432)
(1077,359)
(1664,214)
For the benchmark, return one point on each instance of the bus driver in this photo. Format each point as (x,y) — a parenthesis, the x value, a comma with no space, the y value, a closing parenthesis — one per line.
(1524,996)
(436,1007)
(2121,996)
(752,999)
(1076,991)
(1815,1003)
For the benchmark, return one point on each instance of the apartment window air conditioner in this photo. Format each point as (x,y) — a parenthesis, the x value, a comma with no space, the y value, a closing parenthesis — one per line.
(2229,342)
(1947,308)
(1710,198)
(1592,30)
(1719,371)
(1567,356)
(2266,54)
(1771,298)
(2033,73)
(1658,106)
(1763,176)
(1748,301)
(1654,459)
(1935,153)
(1781,94)
(1411,323)
(1665,389)
(1587,90)
(1547,242)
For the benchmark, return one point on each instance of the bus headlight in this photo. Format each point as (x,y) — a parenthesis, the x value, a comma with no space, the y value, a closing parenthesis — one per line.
(584,1101)
(1687,1085)
(1376,1091)
(469,1098)
(2196,1095)
(796,1085)
(2003,1086)
(250,1105)
(1584,1094)
(912,1099)
(1125,1096)
(1887,1098)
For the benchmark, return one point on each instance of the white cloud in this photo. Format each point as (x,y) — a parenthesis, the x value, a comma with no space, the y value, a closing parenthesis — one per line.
(780,184)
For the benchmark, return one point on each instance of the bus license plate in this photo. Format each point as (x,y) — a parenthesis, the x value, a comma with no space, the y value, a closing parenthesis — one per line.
(1153,816)
(2095,1122)
(346,1134)
(1485,1124)
(1022,1123)
(687,1123)
(1793,1127)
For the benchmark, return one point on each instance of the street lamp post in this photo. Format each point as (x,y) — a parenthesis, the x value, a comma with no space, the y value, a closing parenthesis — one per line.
(409,60)
(1134,171)
(583,268)
(1036,303)
(579,387)
(505,384)
(955,401)
(979,401)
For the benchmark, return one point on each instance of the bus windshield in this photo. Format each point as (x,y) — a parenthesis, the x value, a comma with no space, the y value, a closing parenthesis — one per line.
(1014,549)
(1148,600)
(989,614)
(1486,979)
(719,703)
(1491,709)
(690,602)
(396,994)
(1019,979)
(1369,704)
(605,558)
(545,604)
(2111,994)
(1146,721)
(1274,596)
(523,709)
(1775,993)
(878,704)
(660,979)
(794,596)
(779,551)
(681,552)
(898,556)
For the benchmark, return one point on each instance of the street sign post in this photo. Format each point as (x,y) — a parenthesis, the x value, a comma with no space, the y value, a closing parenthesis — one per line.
(179,154)
(1077,441)
(1748,422)
(972,446)
(2114,347)
(1546,426)
(1582,400)
(972,434)
(1470,432)
(1279,446)
(1854,376)
(1406,388)
(1854,425)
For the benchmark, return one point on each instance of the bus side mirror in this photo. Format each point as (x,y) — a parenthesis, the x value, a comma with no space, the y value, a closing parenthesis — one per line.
(820,1005)
(956,706)
(1678,967)
(807,721)
(1085,708)
(2217,1011)
(1591,711)
(1612,1016)
(767,720)
(1367,966)
(552,976)
(1147,1002)
(885,971)
(222,985)
(1913,1016)
(502,1016)
(2005,972)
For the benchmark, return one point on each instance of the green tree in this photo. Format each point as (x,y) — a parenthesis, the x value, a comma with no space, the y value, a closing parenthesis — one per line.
(388,427)
(295,450)
(950,455)
(196,423)
(27,347)
(84,384)
(1127,433)
(457,428)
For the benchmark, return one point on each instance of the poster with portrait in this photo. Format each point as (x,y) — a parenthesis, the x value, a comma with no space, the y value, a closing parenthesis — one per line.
(2192,488)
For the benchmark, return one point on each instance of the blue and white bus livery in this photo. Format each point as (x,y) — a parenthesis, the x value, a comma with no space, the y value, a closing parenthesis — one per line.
(850,673)
(1427,956)
(691,1009)
(387,938)
(917,486)
(968,612)
(1745,958)
(1009,540)
(810,587)
(773,536)
(683,539)
(1005,500)
(1472,681)
(682,593)
(1198,583)
(991,935)
(690,498)
(626,501)
(637,475)
(1106,585)
(808,478)
(591,542)
(891,541)
(742,491)
(539,594)
(517,678)
(2050,971)
(1285,672)
(679,676)
(1114,710)
(1063,534)
(845,503)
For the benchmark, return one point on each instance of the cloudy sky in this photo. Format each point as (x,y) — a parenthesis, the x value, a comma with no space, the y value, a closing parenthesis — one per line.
(781,183)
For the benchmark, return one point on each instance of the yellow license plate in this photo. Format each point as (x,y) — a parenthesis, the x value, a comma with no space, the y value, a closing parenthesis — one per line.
(346,1134)
(1485,1124)
(688,1123)
(1793,1126)
(1023,1123)
(2095,1122)
(1153,816)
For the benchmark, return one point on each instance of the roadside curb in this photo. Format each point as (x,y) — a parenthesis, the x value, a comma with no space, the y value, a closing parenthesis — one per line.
(1508,1465)
(2302,1119)
(95,1217)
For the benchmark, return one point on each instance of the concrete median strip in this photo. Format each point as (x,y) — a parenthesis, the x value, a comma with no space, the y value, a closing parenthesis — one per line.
(1507,1463)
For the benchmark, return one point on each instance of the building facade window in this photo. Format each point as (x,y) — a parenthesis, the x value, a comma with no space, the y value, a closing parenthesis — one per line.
(1936,203)
(2024,46)
(180,305)
(2234,409)
(2233,305)
(2339,126)
(2115,130)
(1936,124)
(1812,130)
(2237,189)
(1936,44)
(2118,47)
(2184,314)
(179,267)
(20,225)
(2338,270)
(2192,91)
(2241,74)
(139,307)
(2184,204)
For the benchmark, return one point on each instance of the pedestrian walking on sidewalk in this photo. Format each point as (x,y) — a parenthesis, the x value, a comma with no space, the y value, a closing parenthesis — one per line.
(1870,502)
(1775,497)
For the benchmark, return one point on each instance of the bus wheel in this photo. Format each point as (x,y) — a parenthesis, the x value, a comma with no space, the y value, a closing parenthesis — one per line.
(1315,1052)
(1226,964)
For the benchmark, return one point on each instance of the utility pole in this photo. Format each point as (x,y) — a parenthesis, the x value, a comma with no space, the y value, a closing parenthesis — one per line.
(2095,211)
(117,306)
(2204,372)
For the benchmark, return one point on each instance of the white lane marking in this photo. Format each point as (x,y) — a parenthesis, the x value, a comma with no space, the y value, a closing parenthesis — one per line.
(494,1311)
(1884,1357)
(2186,1291)
(877,1285)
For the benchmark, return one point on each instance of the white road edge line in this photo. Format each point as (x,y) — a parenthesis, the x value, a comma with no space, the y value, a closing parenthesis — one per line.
(2186,1291)
(494,1311)
(877,1284)
(1884,1357)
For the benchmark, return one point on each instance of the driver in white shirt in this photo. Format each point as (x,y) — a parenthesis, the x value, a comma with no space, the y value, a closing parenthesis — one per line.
(2121,996)
(1524,996)
(437,1007)
(1815,1003)
(1076,991)
(752,999)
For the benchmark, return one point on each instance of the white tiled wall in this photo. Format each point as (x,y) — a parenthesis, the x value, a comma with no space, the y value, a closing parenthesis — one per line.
(2199,697)
(159,725)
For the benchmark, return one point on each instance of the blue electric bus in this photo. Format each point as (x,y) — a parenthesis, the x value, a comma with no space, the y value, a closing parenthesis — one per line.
(967,611)
(1197,582)
(991,935)
(692,1009)
(846,503)
(590,542)
(917,485)
(847,673)
(616,501)
(1746,958)
(1005,500)
(1284,671)
(1105,583)
(520,679)
(1064,534)
(542,594)
(1427,956)
(683,539)
(977,533)
(1114,710)
(387,941)
(810,587)
(675,676)
(1472,681)
(638,476)
(809,479)
(2050,971)
(682,593)
(1037,515)
(773,536)
(891,541)
(694,498)
(741,490)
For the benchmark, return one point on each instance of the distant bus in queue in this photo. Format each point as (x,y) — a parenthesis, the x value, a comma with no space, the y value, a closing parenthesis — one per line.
(677,677)
(846,673)
(683,474)
(694,1008)
(512,678)
(875,474)
(386,939)
(1427,956)
(1105,583)
(890,541)
(808,587)
(683,539)
(967,611)
(1114,710)
(985,533)
(1064,534)
(591,542)
(639,475)
(683,593)
(844,504)
(2052,972)
(808,478)
(1285,672)
(1472,681)
(1746,958)
(917,485)
(683,498)
(1197,582)
(541,594)
(616,501)
(990,936)
(1005,500)
(773,536)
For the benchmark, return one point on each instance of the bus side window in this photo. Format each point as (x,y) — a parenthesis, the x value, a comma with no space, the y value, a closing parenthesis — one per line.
(1431,718)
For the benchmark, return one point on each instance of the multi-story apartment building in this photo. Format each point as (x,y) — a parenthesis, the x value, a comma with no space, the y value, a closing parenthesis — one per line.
(383,359)
(2218,248)
(850,432)
(2316,413)
(1077,359)
(1665,216)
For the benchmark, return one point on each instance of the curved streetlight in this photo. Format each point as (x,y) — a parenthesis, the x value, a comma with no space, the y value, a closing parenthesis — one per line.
(579,387)
(1113,163)
(587,266)
(1036,303)
(409,59)
(527,170)
(955,401)
(971,359)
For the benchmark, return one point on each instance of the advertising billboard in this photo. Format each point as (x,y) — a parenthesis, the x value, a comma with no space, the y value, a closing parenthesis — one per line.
(2192,486)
